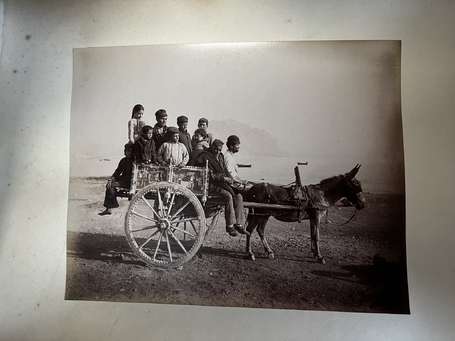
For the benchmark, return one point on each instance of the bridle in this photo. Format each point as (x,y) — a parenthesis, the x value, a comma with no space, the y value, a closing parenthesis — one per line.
(328,222)
(347,221)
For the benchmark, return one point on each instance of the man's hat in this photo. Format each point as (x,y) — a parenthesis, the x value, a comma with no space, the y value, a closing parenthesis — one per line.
(203,120)
(172,130)
(182,119)
(233,140)
(161,113)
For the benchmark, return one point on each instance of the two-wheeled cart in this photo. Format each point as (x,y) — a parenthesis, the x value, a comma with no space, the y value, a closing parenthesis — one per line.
(171,212)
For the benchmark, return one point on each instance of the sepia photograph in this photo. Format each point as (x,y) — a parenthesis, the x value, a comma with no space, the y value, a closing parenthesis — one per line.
(255,175)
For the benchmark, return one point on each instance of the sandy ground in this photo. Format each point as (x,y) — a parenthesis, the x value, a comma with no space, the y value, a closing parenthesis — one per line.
(365,269)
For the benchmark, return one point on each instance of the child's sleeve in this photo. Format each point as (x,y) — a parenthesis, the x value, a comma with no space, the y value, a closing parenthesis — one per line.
(131,131)
(186,156)
(159,155)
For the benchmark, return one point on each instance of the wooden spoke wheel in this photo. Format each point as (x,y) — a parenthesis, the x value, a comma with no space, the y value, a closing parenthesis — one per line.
(165,224)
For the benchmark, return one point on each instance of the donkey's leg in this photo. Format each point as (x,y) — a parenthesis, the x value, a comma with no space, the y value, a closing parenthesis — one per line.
(315,222)
(252,223)
(312,214)
(261,231)
(312,238)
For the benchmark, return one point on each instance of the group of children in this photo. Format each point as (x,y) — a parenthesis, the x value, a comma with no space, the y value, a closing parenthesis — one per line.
(163,145)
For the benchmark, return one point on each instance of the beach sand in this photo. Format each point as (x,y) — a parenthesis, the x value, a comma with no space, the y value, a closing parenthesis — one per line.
(365,268)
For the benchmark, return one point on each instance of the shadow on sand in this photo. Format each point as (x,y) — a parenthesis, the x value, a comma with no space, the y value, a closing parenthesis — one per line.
(387,280)
(96,246)
(115,248)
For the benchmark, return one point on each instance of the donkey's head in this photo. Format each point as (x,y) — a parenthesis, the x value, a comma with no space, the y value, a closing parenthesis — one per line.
(352,189)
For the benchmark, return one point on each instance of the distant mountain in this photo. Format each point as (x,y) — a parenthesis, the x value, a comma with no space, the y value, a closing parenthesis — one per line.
(254,141)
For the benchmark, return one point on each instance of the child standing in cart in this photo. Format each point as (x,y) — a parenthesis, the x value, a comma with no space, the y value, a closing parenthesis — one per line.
(184,135)
(136,123)
(160,128)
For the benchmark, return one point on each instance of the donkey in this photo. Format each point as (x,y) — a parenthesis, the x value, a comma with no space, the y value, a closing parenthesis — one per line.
(317,199)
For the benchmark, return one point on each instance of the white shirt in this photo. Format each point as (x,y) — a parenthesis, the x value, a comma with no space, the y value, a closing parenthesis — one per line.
(173,153)
(230,161)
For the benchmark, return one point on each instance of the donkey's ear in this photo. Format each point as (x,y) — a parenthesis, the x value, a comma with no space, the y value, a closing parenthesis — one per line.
(353,172)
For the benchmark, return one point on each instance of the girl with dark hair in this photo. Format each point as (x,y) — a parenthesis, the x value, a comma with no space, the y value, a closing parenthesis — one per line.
(136,123)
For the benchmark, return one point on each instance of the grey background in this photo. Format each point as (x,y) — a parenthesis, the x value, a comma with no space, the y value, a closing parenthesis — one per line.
(35,101)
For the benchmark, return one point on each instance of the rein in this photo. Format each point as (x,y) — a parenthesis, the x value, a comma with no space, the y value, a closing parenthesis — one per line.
(346,222)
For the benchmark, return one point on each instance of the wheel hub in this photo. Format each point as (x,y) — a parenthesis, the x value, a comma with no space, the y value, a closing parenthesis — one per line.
(164,224)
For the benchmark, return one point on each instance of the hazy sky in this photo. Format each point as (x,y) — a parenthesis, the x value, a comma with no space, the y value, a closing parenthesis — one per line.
(338,101)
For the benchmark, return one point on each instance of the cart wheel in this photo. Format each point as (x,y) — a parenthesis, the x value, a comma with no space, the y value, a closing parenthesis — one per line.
(165,224)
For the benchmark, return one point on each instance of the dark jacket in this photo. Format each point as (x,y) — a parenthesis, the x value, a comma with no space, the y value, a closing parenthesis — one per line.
(209,139)
(194,156)
(185,138)
(124,172)
(217,169)
(144,151)
(159,138)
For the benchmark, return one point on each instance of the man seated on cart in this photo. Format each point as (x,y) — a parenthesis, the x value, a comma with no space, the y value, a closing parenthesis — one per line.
(221,185)
(121,179)
(173,152)
(230,162)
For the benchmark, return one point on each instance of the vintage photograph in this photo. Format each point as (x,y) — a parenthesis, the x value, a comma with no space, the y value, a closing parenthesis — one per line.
(258,175)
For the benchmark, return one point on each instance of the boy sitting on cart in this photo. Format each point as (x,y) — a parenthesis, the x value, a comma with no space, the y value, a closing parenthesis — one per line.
(121,179)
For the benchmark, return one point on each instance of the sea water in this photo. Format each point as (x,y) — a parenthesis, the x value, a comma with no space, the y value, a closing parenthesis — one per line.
(376,178)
